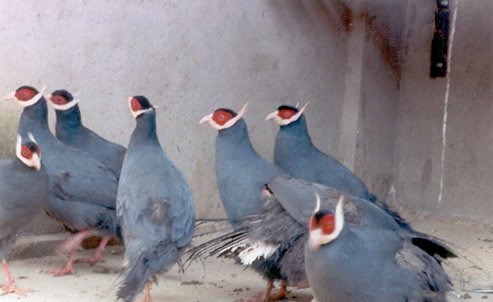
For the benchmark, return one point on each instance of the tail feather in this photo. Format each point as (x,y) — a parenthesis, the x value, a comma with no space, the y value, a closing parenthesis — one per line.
(143,269)
(135,279)
(219,246)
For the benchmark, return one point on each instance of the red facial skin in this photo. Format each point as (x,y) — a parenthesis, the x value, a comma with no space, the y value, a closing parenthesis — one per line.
(58,99)
(25,94)
(221,117)
(135,105)
(326,224)
(26,152)
(286,114)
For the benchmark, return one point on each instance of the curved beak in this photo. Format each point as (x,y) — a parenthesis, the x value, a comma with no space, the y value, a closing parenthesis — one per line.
(9,97)
(272,115)
(36,160)
(205,119)
(314,240)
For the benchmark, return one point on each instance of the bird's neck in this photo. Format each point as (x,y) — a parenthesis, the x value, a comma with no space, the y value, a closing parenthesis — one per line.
(235,139)
(68,119)
(34,119)
(145,130)
(296,133)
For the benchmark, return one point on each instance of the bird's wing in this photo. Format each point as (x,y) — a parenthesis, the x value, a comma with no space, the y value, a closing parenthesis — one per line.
(183,216)
(88,181)
(297,197)
(424,269)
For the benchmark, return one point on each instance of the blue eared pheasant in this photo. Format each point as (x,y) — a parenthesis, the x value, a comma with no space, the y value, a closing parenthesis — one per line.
(155,206)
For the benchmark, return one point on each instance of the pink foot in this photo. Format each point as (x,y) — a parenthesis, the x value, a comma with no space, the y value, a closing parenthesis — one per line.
(10,287)
(147,293)
(67,270)
(58,272)
(260,297)
(268,295)
(13,289)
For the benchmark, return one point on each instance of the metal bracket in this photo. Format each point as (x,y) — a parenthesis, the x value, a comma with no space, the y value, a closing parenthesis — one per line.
(439,44)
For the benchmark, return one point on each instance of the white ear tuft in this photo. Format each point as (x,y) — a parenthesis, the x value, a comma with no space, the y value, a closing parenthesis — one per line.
(42,91)
(18,144)
(303,108)
(31,137)
(317,206)
(242,111)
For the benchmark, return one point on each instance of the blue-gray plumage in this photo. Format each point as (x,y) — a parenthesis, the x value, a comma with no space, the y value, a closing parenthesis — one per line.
(295,153)
(24,192)
(82,189)
(280,232)
(155,205)
(293,201)
(240,172)
(241,175)
(347,261)
(71,131)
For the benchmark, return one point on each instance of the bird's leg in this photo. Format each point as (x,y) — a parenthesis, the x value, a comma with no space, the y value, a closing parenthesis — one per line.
(73,243)
(147,292)
(268,290)
(70,247)
(68,269)
(281,294)
(262,296)
(10,287)
(98,254)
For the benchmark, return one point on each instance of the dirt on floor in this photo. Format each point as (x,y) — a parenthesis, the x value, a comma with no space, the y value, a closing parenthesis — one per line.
(216,280)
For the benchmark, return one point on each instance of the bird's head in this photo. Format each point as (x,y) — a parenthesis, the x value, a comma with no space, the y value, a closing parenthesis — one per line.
(25,96)
(139,105)
(223,118)
(285,115)
(28,152)
(62,100)
(325,226)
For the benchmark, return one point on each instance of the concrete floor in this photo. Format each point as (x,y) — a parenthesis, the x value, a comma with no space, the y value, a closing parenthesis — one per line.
(220,280)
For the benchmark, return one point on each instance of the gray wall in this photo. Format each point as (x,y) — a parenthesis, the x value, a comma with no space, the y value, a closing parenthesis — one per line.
(363,68)
(467,172)
(188,57)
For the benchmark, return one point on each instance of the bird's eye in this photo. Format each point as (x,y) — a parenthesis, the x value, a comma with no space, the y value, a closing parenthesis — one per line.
(26,152)
(221,117)
(134,103)
(25,94)
(286,113)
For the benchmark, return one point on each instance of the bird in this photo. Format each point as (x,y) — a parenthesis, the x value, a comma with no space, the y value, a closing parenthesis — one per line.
(348,261)
(71,131)
(24,189)
(282,230)
(240,176)
(295,153)
(154,206)
(82,190)
(240,172)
